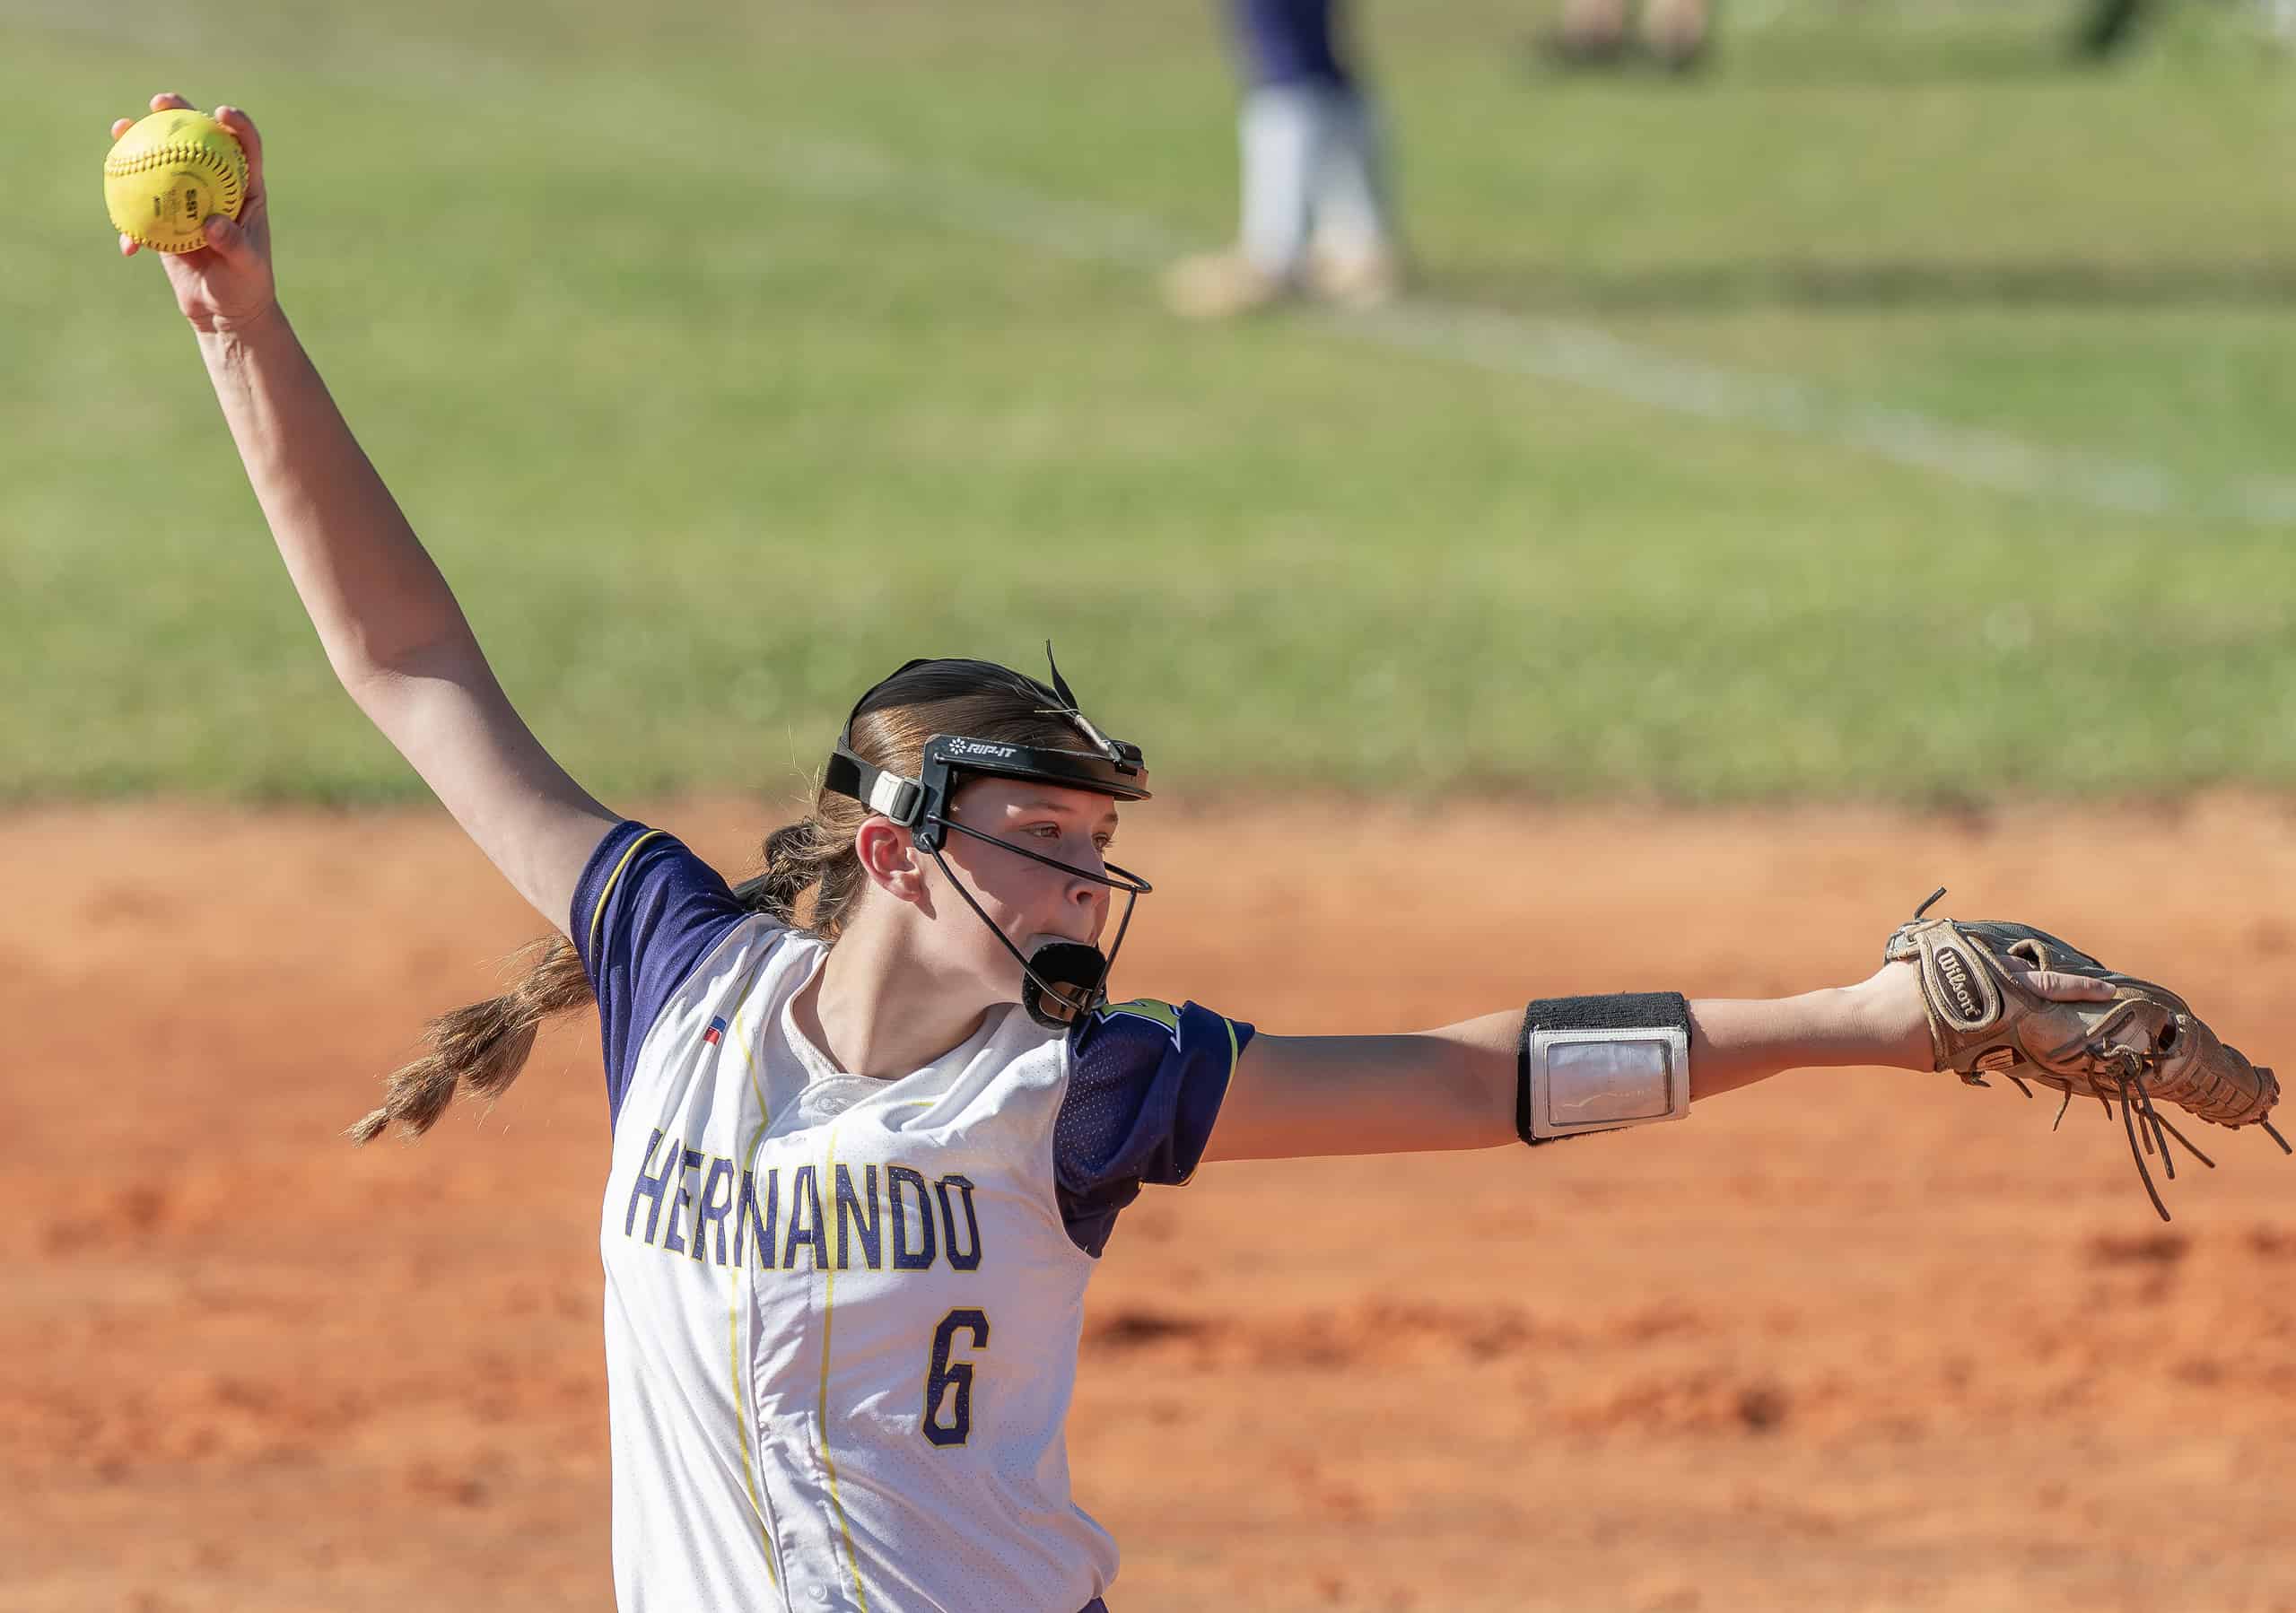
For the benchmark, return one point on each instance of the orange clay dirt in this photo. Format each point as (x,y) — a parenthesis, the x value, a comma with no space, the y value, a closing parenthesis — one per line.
(1846,1340)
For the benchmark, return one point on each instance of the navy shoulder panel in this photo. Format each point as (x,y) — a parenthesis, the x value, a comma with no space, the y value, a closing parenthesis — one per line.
(1146,1080)
(646,912)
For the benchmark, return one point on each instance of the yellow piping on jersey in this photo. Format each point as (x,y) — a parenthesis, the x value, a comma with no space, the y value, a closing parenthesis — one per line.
(598,914)
(733,1306)
(828,1311)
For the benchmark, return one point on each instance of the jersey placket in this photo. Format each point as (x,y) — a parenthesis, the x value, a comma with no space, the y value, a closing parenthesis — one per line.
(797,1469)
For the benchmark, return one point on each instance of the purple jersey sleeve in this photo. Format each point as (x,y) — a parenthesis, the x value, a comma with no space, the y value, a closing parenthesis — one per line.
(646,912)
(1145,1084)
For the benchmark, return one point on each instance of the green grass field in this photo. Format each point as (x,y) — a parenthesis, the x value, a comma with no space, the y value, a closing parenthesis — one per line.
(724,363)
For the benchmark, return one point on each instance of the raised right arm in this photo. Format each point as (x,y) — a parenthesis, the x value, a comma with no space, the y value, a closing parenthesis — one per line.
(390,625)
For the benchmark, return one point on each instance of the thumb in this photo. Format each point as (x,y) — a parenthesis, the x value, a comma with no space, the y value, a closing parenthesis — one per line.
(225,236)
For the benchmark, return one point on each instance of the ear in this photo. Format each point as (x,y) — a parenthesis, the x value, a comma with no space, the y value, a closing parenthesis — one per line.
(889,857)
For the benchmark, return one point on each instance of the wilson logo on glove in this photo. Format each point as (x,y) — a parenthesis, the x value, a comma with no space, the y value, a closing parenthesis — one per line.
(1954,974)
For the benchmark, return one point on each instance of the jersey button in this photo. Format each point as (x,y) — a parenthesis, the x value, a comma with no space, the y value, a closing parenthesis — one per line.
(821,1593)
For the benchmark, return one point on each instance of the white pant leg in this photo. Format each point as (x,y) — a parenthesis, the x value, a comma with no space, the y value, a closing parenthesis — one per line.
(1349,205)
(1286,129)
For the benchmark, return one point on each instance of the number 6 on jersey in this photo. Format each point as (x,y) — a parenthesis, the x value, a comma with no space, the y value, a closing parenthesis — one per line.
(942,1376)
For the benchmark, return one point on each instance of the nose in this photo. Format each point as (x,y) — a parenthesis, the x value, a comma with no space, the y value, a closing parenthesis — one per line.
(1089,895)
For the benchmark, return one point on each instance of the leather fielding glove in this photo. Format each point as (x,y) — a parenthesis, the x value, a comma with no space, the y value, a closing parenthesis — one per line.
(2143,1046)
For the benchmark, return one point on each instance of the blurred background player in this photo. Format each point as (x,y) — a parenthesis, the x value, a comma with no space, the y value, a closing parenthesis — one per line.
(1600,33)
(1316,214)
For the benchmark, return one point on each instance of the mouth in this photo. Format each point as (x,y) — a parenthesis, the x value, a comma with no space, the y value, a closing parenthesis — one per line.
(1053,938)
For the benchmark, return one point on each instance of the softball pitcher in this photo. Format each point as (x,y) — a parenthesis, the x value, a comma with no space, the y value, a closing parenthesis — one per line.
(875,1114)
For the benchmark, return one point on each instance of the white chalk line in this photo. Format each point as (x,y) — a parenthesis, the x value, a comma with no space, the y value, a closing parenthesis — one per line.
(1557,350)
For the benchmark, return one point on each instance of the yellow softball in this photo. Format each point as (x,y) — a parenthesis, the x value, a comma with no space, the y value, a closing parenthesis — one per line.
(168,175)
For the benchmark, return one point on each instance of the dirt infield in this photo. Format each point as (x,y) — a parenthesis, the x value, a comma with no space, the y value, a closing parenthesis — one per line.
(1860,1340)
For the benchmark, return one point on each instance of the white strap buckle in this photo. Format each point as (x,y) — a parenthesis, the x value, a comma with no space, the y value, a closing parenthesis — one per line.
(896,797)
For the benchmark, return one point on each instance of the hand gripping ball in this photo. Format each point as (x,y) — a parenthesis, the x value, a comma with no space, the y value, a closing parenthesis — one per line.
(168,175)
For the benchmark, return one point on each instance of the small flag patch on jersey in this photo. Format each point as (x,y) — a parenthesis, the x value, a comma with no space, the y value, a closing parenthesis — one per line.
(715,1034)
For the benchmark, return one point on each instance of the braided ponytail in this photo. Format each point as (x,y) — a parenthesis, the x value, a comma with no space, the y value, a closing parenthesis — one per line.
(483,1046)
(800,857)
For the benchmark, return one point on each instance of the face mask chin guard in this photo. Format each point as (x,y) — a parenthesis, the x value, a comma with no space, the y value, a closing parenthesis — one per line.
(1062,981)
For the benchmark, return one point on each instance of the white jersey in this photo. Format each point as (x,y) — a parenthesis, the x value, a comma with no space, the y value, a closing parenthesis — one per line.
(842,1314)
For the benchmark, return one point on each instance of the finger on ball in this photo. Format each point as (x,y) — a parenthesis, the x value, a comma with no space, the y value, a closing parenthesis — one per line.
(250,140)
(121,126)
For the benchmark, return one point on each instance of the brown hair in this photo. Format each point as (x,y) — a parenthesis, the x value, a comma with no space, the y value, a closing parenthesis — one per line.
(481,1049)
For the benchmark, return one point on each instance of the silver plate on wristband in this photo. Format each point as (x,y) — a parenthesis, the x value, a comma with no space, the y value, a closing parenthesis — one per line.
(1600,1080)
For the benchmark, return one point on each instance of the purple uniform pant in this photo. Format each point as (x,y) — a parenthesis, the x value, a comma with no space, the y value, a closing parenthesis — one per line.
(1292,42)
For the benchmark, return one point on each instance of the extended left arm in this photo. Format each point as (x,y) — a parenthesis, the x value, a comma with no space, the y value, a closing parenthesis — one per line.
(1293,1096)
